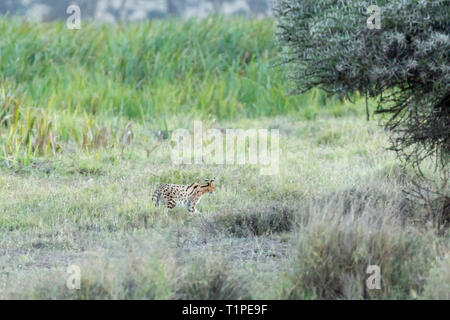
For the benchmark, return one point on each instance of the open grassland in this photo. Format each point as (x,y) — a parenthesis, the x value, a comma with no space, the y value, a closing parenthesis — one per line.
(309,232)
(86,118)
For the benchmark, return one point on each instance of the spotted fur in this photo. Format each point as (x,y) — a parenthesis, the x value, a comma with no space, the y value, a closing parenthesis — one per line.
(188,196)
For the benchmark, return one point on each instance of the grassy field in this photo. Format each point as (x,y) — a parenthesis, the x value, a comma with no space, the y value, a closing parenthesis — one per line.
(86,118)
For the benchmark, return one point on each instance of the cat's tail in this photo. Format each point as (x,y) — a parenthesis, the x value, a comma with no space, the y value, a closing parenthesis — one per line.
(155,198)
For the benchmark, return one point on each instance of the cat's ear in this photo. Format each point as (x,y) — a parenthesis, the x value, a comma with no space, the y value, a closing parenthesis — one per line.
(206,180)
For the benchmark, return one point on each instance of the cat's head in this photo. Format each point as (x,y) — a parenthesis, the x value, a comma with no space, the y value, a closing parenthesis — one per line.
(210,185)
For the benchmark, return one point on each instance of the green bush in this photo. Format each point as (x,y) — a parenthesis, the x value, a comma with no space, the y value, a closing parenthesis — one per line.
(405,64)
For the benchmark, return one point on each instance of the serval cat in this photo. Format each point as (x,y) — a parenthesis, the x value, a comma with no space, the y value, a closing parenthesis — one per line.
(187,196)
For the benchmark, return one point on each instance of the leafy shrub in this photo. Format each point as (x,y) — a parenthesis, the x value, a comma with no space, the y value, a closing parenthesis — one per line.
(405,64)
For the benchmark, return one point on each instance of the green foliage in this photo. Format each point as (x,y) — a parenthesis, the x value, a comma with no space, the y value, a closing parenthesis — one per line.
(215,67)
(81,88)
(405,64)
(80,113)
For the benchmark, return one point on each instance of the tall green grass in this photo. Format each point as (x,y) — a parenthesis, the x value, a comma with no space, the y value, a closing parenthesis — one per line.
(219,67)
(83,86)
